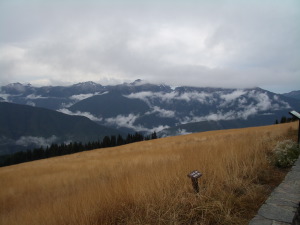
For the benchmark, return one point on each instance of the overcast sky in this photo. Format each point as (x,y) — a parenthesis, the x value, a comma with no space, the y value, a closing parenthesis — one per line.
(241,43)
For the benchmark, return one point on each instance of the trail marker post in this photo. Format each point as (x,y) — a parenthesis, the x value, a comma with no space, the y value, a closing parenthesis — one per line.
(296,115)
(194,175)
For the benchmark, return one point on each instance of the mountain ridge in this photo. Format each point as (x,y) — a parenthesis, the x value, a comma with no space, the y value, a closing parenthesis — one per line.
(144,107)
(293,94)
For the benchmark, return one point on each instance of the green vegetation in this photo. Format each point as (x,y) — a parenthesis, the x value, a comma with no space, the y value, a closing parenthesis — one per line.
(286,153)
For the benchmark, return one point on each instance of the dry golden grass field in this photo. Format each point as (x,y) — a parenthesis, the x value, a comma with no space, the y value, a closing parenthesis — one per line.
(147,183)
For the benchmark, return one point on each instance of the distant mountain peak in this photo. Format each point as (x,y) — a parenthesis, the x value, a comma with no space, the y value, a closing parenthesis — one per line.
(87,87)
(138,82)
(16,87)
(87,83)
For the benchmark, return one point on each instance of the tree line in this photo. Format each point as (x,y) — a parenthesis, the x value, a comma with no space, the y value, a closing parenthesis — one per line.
(73,147)
(285,119)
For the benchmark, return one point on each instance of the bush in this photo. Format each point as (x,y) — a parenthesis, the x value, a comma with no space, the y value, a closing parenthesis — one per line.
(286,153)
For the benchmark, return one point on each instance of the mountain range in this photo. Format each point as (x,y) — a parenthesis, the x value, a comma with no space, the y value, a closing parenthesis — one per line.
(141,107)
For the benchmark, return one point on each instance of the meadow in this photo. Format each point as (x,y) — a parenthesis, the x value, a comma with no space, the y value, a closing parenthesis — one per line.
(147,183)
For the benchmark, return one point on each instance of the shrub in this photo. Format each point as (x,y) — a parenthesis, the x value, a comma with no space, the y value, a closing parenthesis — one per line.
(286,153)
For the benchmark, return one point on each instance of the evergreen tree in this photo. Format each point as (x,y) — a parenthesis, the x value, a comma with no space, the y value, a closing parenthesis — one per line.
(283,119)
(129,139)
(106,142)
(154,135)
(120,140)
(113,141)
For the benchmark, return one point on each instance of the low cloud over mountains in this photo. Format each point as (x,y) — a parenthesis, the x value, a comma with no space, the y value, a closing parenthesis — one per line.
(144,107)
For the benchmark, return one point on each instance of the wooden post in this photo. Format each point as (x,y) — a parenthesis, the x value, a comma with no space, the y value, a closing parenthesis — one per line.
(195,184)
(194,175)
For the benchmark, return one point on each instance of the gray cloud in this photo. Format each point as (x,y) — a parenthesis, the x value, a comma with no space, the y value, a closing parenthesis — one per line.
(203,43)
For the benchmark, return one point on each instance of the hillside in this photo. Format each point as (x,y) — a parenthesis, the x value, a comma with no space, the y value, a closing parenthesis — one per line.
(147,183)
(23,127)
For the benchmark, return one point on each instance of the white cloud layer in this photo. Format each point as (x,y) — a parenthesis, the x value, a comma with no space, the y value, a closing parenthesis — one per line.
(200,43)
(30,103)
(147,96)
(128,121)
(182,132)
(84,96)
(232,96)
(5,97)
(33,96)
(257,103)
(78,113)
(38,141)
(162,112)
